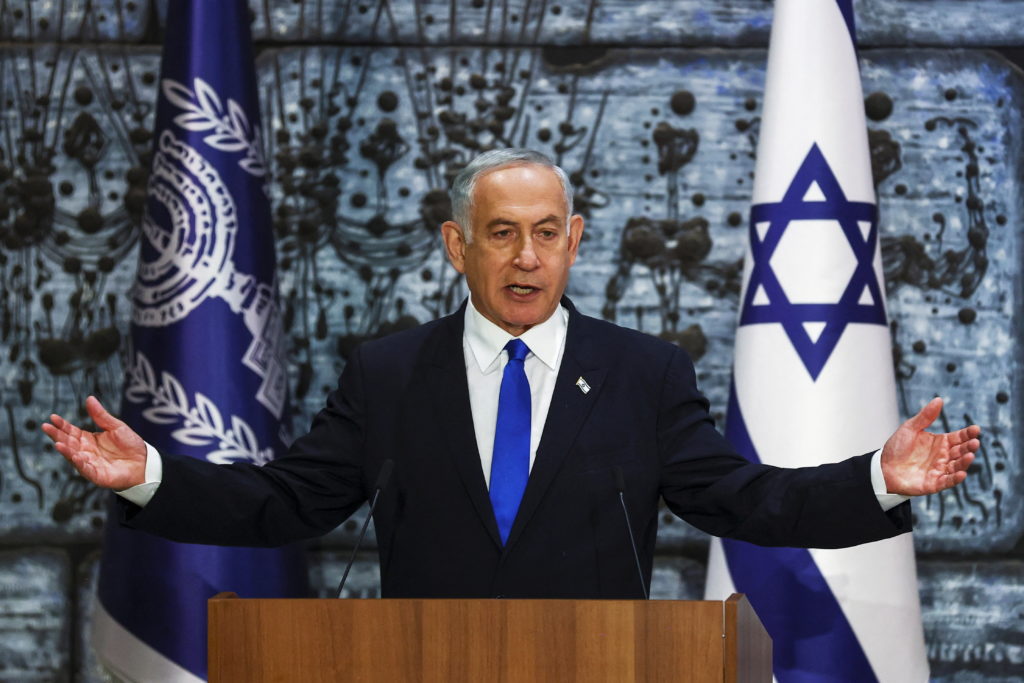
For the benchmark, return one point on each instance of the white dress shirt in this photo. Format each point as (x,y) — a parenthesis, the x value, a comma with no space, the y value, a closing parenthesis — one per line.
(483,344)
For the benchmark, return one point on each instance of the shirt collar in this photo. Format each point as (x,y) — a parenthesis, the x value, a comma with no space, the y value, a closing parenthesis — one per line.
(486,340)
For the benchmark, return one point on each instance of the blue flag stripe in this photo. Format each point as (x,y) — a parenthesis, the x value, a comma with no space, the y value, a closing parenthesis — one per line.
(812,639)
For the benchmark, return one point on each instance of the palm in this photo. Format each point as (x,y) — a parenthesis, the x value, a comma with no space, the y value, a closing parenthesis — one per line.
(117,455)
(916,462)
(114,457)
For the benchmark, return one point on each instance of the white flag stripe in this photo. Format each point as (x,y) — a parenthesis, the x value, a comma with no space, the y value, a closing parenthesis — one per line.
(129,658)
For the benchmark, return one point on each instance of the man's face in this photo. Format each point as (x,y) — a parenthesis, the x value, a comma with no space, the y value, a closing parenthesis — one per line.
(517,264)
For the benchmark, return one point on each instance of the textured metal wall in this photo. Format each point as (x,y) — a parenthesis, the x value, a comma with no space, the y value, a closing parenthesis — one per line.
(653,108)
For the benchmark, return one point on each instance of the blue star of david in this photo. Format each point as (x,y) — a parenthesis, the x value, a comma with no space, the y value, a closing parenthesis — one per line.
(836,316)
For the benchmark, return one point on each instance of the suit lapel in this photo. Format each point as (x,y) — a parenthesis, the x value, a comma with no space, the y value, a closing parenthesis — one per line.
(447,379)
(570,406)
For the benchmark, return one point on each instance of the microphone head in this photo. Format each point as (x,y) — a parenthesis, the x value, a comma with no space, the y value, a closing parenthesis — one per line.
(385,473)
(620,479)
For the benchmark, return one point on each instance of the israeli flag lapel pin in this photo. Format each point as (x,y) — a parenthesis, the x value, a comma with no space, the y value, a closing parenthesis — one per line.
(582,384)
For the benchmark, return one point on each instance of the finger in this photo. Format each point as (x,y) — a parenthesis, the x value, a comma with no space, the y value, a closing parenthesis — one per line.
(950,480)
(59,436)
(962,463)
(103,419)
(65,450)
(57,421)
(957,452)
(927,416)
(65,426)
(86,466)
(964,435)
(56,435)
(971,446)
(968,448)
(52,431)
(73,455)
(82,459)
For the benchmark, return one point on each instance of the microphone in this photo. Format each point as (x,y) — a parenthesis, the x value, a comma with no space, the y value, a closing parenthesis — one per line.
(382,480)
(620,484)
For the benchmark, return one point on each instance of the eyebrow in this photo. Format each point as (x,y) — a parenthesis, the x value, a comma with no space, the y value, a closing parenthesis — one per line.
(550,218)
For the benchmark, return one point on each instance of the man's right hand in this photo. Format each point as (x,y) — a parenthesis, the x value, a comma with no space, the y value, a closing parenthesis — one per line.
(114,458)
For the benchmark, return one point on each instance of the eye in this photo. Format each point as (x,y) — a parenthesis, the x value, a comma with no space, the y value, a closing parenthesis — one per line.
(502,234)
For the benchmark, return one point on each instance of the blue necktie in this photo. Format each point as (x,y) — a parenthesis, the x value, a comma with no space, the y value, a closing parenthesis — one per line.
(510,465)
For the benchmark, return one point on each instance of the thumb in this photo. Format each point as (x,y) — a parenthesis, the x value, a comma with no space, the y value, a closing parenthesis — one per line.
(927,416)
(103,419)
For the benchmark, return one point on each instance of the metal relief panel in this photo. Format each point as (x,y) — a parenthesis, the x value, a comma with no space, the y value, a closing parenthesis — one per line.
(946,156)
(438,22)
(35,616)
(327,567)
(677,578)
(346,533)
(619,23)
(73,20)
(87,665)
(972,615)
(939,22)
(355,214)
(510,22)
(74,148)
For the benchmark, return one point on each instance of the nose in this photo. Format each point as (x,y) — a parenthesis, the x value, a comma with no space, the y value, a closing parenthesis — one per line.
(526,259)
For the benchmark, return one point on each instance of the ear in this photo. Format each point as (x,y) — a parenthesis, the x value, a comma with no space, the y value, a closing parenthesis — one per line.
(454,244)
(575,235)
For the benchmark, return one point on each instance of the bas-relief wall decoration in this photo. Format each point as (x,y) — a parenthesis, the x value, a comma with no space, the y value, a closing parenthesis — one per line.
(73,168)
(370,107)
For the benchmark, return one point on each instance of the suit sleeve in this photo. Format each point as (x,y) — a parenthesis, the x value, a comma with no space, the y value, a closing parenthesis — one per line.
(315,486)
(707,483)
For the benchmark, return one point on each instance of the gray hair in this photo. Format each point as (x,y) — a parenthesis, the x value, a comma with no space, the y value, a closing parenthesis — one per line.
(461,192)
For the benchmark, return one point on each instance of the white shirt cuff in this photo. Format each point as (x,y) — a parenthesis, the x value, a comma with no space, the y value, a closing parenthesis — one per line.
(142,493)
(887,500)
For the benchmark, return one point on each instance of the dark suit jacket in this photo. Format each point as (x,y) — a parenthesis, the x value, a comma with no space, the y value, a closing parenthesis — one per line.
(405,397)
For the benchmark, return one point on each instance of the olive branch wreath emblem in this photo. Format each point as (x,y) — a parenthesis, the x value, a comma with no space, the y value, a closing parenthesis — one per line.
(201,424)
(231,132)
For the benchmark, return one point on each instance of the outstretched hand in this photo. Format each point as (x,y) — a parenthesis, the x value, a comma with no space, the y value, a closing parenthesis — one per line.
(916,462)
(114,457)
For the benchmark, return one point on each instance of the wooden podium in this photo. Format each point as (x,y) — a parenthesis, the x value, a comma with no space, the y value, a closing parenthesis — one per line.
(534,641)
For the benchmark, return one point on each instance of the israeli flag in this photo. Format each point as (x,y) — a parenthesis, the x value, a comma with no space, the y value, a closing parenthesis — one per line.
(206,374)
(813,377)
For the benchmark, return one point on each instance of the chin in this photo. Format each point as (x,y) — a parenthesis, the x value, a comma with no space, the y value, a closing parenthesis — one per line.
(526,322)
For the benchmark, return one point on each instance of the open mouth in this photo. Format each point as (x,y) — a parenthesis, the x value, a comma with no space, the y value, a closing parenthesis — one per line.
(522,290)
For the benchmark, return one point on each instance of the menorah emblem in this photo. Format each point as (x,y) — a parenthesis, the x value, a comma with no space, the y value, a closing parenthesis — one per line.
(186,259)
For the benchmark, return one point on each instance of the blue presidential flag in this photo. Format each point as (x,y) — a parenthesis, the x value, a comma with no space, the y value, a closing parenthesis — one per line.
(813,376)
(206,374)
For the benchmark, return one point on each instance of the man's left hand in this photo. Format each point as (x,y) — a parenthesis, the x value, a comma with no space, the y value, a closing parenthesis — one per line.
(916,462)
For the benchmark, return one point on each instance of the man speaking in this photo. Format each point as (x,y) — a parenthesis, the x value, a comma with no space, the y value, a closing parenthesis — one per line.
(513,425)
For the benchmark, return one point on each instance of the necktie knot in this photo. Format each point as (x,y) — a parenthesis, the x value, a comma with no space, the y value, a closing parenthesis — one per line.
(517,349)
